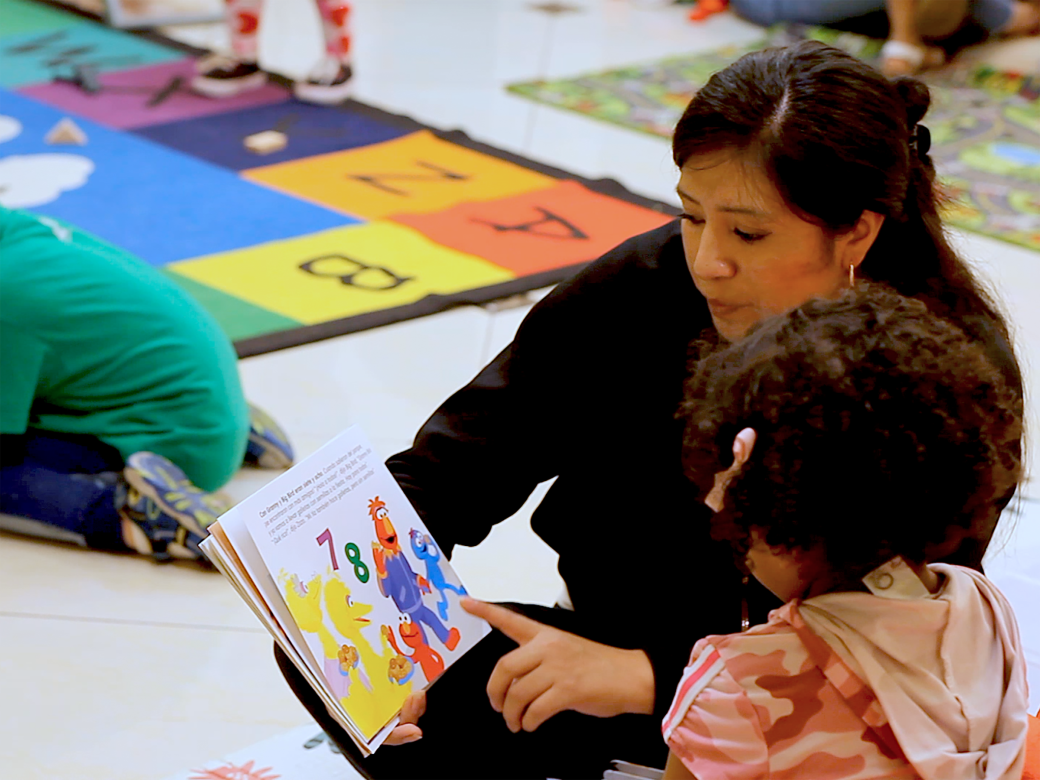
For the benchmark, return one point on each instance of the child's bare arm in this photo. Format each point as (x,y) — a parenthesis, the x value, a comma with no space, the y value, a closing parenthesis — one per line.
(676,770)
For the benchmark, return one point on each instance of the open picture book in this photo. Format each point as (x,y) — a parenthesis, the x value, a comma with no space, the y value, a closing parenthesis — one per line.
(338,566)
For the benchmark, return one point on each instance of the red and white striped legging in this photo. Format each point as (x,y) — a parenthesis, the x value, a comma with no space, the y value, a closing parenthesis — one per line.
(244,20)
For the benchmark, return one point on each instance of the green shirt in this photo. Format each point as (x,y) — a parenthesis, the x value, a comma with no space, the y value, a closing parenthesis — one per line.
(95,341)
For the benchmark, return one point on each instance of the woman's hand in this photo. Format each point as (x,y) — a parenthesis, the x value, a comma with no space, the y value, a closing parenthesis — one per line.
(553,671)
(407,729)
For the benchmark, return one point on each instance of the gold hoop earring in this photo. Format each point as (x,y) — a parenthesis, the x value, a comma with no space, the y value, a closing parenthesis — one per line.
(852,275)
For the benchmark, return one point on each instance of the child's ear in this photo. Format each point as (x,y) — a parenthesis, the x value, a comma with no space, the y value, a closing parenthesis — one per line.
(743,444)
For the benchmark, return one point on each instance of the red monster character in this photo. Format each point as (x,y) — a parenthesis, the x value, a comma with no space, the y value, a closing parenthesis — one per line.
(429,659)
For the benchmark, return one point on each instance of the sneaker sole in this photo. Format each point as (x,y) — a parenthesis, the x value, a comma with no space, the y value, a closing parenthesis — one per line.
(177,549)
(326,96)
(269,447)
(142,486)
(225,88)
(269,456)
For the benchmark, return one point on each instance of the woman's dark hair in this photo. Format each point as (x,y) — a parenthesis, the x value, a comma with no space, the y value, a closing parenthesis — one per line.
(882,430)
(836,138)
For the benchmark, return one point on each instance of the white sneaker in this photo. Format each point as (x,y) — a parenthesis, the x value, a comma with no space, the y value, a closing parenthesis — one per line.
(223,77)
(328,83)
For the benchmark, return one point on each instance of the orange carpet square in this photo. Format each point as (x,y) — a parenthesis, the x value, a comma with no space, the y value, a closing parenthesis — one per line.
(416,173)
(538,231)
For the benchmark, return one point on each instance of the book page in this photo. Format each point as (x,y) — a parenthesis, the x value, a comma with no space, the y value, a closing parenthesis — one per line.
(232,527)
(373,597)
(220,552)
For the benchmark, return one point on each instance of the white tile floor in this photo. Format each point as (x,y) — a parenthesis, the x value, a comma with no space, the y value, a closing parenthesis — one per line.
(115,668)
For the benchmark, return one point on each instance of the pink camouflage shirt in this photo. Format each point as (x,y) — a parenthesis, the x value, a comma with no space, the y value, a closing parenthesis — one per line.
(777,702)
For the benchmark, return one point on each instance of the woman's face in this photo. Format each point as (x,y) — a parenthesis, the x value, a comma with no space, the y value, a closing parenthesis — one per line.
(748,253)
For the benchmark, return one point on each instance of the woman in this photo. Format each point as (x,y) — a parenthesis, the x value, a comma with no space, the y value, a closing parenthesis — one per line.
(799,167)
(913,25)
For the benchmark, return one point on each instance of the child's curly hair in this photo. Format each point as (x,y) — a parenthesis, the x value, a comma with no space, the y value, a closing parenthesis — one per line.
(882,430)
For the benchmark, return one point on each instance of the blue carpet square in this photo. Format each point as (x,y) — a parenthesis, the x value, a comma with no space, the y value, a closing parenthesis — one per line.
(311,130)
(155,202)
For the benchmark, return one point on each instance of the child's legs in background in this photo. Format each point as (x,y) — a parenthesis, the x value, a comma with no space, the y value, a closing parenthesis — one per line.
(69,482)
(335,23)
(243,18)
(770,12)
(992,15)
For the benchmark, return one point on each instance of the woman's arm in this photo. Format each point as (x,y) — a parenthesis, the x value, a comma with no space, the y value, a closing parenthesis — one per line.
(525,417)
(481,454)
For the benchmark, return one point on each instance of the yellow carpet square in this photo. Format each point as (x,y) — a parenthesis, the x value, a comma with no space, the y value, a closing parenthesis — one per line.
(343,272)
(414,174)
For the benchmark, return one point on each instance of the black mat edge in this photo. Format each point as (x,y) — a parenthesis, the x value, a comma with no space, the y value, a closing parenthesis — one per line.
(431,304)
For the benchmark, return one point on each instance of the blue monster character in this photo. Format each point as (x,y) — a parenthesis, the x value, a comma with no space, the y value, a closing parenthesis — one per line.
(397,580)
(426,549)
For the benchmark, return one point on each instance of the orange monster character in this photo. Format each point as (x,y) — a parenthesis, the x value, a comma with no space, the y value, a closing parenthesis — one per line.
(398,582)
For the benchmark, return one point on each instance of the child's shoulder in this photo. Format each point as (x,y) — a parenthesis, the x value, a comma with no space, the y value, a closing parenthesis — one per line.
(776,634)
(772,645)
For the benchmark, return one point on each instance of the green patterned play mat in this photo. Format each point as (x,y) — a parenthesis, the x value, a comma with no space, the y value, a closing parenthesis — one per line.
(985,123)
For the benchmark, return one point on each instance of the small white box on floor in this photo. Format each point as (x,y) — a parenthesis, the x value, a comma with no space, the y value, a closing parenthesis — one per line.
(266,142)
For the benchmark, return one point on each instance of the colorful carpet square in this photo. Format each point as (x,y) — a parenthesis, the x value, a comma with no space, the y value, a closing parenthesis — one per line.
(24,16)
(310,130)
(240,319)
(38,56)
(152,95)
(416,173)
(563,225)
(342,273)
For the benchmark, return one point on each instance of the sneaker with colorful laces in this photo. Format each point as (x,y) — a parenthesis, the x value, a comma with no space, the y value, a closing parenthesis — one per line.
(172,513)
(327,84)
(223,77)
(268,445)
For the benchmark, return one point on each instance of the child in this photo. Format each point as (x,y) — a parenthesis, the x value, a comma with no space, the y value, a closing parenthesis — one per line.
(869,438)
(918,31)
(120,400)
(327,83)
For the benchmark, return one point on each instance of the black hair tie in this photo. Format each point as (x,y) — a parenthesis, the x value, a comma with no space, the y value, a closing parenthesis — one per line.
(921,141)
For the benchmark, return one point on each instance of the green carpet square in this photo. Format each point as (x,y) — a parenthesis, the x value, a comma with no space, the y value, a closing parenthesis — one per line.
(238,318)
